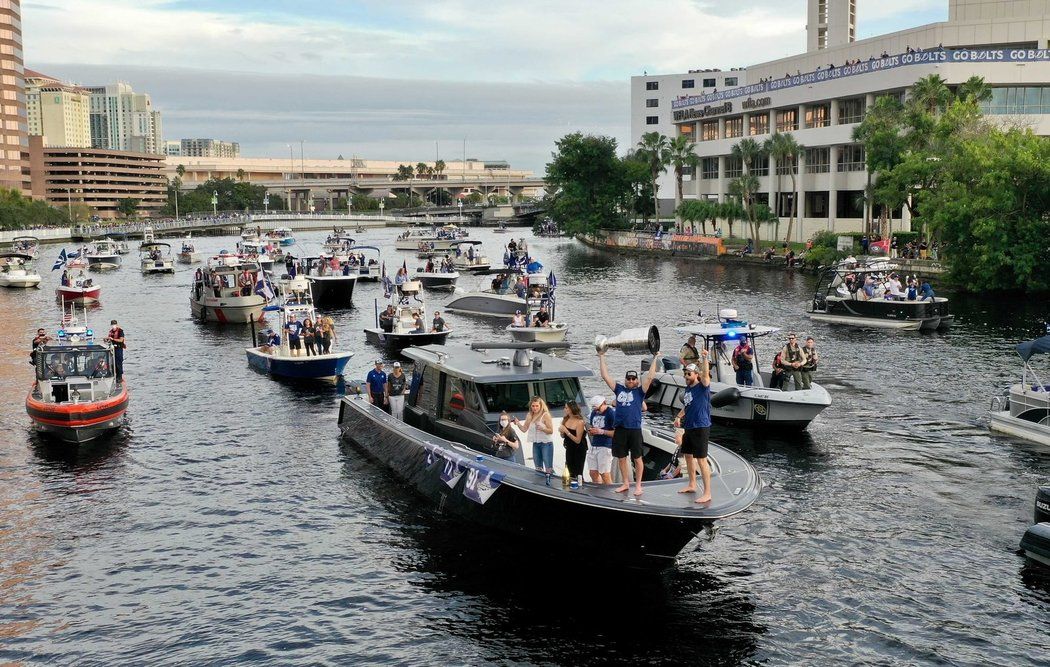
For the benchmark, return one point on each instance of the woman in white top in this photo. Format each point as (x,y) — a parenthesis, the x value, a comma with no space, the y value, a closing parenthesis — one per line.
(519,320)
(539,429)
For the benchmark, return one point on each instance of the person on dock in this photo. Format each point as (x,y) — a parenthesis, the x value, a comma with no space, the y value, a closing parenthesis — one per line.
(627,440)
(793,358)
(539,428)
(810,366)
(573,431)
(695,418)
(688,354)
(396,382)
(744,363)
(116,337)
(294,329)
(599,457)
(376,380)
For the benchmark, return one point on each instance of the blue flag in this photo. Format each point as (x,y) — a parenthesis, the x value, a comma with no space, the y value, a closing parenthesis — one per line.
(61,261)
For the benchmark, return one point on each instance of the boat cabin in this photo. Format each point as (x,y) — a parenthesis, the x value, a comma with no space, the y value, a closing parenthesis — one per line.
(458,393)
(720,339)
(75,368)
(227,275)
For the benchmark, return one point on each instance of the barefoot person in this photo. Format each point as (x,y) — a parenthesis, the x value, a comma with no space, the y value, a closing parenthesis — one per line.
(627,439)
(695,418)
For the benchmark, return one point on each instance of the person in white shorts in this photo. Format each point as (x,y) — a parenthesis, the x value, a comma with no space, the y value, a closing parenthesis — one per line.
(395,391)
(600,426)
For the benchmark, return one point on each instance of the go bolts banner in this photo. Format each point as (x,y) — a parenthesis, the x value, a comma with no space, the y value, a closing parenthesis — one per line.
(481,481)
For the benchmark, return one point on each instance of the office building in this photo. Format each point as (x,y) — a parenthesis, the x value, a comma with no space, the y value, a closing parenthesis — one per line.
(209,148)
(57,111)
(100,179)
(123,120)
(14,154)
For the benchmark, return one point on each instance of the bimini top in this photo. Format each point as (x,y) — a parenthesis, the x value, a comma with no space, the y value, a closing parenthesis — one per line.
(154,244)
(732,329)
(493,366)
(466,242)
(1033,347)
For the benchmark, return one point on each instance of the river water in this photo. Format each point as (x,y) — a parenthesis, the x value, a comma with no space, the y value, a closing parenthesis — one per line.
(226,523)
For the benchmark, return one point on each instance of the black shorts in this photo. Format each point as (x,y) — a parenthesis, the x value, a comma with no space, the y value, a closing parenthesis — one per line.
(627,440)
(695,440)
(293,343)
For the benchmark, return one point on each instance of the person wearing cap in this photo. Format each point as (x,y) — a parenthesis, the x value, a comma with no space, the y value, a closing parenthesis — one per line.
(695,418)
(376,380)
(116,336)
(793,357)
(627,439)
(395,391)
(519,319)
(601,423)
(688,354)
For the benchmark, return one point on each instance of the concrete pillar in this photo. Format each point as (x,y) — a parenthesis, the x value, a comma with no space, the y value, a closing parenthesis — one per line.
(869,102)
(772,121)
(722,128)
(802,116)
(834,115)
(747,125)
(833,190)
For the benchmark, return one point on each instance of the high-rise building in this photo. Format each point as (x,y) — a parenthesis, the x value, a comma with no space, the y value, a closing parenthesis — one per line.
(172,147)
(123,120)
(209,148)
(14,154)
(830,23)
(57,111)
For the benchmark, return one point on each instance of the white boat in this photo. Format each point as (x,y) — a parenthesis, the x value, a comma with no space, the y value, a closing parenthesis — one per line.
(500,298)
(17,270)
(757,405)
(400,331)
(77,259)
(103,255)
(1024,410)
(26,245)
(278,361)
(339,245)
(468,256)
(439,239)
(227,290)
(147,237)
(553,331)
(264,252)
(841,299)
(156,258)
(436,276)
(188,253)
(281,236)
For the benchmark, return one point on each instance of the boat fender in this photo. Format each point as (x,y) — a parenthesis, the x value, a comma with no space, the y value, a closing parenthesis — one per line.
(725,397)
(1042,505)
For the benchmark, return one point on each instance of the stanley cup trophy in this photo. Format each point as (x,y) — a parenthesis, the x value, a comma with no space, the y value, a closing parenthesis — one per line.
(631,341)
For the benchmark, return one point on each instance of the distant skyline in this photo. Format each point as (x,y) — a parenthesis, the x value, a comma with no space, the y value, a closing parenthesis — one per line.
(388,80)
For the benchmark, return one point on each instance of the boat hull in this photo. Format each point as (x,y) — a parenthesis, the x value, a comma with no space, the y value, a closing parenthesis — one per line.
(286,241)
(399,341)
(333,291)
(103,262)
(78,296)
(489,305)
(551,334)
(883,314)
(23,281)
(444,281)
(534,515)
(230,310)
(319,367)
(1036,543)
(1003,422)
(78,422)
(189,257)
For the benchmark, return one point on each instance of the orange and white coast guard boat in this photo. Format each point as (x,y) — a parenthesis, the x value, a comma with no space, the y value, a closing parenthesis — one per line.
(76,396)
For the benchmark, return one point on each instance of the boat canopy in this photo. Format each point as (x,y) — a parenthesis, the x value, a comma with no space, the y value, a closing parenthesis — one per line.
(466,242)
(16,255)
(730,330)
(154,244)
(1031,348)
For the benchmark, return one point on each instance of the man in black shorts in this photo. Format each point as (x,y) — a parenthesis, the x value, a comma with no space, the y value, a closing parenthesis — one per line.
(627,438)
(695,418)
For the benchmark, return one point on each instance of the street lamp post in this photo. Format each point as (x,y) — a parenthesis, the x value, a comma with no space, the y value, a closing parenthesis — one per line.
(266,202)
(215,203)
(176,203)
(382,205)
(461,210)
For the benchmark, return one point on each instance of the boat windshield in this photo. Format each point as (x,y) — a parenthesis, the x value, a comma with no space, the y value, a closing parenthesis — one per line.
(58,365)
(512,397)
(559,391)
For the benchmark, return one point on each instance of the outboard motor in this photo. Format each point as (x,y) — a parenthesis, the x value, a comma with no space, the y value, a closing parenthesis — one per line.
(725,397)
(1042,505)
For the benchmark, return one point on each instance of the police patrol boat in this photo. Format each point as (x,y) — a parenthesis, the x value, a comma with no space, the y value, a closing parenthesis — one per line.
(757,405)
(1024,409)
(76,396)
(229,290)
(103,255)
(445,451)
(401,331)
(1036,541)
(277,360)
(840,299)
(468,256)
(156,258)
(17,270)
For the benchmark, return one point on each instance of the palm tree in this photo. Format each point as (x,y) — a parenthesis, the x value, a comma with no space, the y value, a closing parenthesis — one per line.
(654,150)
(748,150)
(680,156)
(786,150)
(744,189)
(974,89)
(731,211)
(240,174)
(439,167)
(180,170)
(931,93)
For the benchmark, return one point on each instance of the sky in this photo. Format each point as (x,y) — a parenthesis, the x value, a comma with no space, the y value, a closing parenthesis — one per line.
(410,80)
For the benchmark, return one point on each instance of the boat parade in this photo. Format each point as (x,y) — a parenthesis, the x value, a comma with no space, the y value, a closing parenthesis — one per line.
(745,326)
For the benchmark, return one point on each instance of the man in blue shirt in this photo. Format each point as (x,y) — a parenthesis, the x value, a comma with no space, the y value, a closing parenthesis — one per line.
(601,424)
(695,418)
(628,436)
(294,327)
(376,380)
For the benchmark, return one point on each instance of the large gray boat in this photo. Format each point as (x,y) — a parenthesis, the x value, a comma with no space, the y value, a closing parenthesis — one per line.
(445,450)
(1024,409)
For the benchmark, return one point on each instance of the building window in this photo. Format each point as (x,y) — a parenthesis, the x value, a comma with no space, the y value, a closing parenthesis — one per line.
(709,83)
(709,168)
(818,160)
(652,103)
(851,158)
(652,85)
(759,124)
(687,131)
(851,111)
(734,127)
(760,166)
(731,81)
(787,166)
(652,120)
(1018,100)
(709,130)
(688,83)
(787,120)
(818,115)
(734,167)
